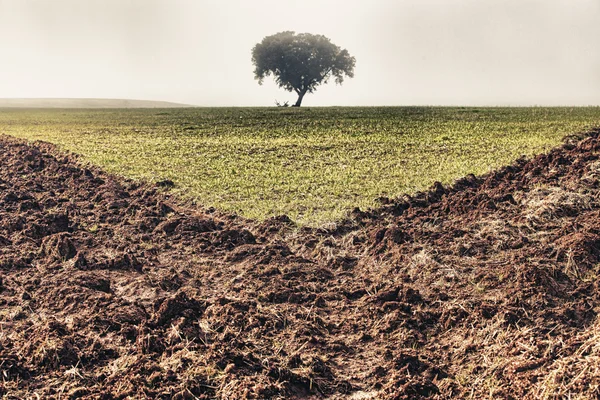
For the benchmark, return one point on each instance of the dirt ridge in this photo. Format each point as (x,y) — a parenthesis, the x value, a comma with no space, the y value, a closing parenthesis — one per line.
(112,289)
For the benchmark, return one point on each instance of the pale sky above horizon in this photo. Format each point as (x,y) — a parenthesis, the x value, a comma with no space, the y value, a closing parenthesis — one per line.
(408,52)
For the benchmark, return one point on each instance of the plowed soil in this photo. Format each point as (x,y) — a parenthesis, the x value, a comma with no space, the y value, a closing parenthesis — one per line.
(110,289)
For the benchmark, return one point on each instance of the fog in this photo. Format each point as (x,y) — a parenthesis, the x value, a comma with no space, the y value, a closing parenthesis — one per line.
(408,52)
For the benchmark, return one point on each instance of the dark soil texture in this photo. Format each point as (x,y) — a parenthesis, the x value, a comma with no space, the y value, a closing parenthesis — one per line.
(112,289)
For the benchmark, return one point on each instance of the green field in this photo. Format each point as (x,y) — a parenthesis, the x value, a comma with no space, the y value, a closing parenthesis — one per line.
(313,164)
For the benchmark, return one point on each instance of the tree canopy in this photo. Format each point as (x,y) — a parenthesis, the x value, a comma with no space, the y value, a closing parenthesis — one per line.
(301,62)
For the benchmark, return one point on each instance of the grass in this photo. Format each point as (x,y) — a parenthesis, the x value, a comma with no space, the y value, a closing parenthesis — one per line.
(313,164)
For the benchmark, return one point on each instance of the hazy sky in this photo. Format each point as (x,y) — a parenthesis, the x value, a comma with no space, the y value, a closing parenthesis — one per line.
(408,52)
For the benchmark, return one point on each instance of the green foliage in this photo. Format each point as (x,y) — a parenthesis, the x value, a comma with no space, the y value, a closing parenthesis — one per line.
(301,62)
(313,164)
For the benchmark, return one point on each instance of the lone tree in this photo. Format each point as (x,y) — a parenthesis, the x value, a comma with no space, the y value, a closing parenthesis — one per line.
(301,62)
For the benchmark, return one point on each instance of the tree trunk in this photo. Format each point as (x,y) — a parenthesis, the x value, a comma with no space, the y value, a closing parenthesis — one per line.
(300,97)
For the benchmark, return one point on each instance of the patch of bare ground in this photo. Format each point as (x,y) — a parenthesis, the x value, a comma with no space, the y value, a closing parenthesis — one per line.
(111,289)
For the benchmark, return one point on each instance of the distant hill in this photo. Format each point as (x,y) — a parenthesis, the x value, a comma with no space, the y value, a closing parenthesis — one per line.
(87,103)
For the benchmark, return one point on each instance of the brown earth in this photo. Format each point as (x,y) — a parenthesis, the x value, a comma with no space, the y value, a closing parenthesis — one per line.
(110,289)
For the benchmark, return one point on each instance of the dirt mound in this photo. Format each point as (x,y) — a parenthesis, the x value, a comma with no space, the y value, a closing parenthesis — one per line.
(111,289)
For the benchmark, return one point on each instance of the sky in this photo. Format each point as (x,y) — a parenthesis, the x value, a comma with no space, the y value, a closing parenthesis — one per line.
(408,52)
